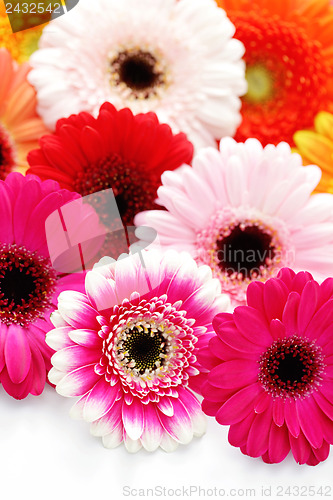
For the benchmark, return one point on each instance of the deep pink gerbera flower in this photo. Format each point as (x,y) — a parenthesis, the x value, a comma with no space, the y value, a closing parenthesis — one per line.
(131,353)
(29,285)
(271,366)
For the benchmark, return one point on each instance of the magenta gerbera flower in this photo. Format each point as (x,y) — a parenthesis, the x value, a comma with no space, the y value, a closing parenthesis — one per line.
(131,354)
(271,365)
(247,212)
(29,285)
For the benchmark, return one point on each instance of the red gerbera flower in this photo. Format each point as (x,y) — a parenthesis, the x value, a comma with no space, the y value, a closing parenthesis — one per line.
(289,64)
(117,150)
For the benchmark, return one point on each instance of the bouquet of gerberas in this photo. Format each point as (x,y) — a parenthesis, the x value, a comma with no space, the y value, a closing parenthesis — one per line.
(166,219)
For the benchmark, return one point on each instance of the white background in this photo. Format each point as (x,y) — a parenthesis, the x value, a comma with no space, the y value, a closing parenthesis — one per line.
(45,455)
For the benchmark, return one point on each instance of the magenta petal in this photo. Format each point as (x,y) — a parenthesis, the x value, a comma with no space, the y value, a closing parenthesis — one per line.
(230,334)
(310,420)
(153,431)
(252,325)
(300,280)
(215,394)
(17,353)
(278,411)
(233,374)
(262,403)
(133,418)
(100,400)
(320,321)
(275,296)
(300,448)
(255,296)
(210,408)
(3,335)
(257,442)
(278,445)
(290,312)
(238,406)
(179,426)
(287,276)
(325,406)
(278,330)
(322,453)
(291,418)
(238,433)
(78,382)
(6,226)
(38,370)
(26,201)
(307,305)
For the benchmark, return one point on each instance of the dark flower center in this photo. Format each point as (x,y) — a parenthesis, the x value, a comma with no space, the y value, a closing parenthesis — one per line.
(139,71)
(144,349)
(27,283)
(134,189)
(7,154)
(291,367)
(245,251)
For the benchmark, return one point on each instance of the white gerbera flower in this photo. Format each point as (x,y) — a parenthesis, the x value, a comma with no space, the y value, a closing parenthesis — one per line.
(176,58)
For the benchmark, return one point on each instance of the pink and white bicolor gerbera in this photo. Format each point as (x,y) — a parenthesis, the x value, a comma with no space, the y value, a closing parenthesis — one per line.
(246,211)
(130,351)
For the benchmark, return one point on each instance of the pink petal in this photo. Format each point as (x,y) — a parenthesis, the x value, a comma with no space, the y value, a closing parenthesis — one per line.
(255,296)
(252,325)
(100,400)
(109,421)
(73,357)
(165,405)
(325,406)
(278,445)
(210,408)
(6,226)
(275,296)
(263,401)
(300,448)
(229,333)
(86,338)
(58,338)
(290,312)
(179,426)
(278,411)
(17,353)
(320,321)
(310,421)
(100,292)
(153,431)
(78,314)
(238,433)
(133,418)
(194,410)
(291,418)
(257,441)
(113,439)
(3,335)
(234,374)
(78,382)
(238,406)
(26,201)
(277,328)
(307,305)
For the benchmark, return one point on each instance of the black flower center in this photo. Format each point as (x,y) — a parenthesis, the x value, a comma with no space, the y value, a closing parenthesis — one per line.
(245,251)
(139,71)
(27,283)
(144,348)
(291,367)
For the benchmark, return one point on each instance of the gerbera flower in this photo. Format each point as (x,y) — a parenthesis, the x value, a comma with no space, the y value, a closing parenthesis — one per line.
(21,44)
(129,351)
(246,212)
(271,370)
(289,64)
(29,285)
(20,127)
(156,56)
(316,146)
(117,150)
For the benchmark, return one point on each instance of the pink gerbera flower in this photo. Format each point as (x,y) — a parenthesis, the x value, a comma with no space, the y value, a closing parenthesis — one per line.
(271,366)
(130,353)
(29,285)
(246,212)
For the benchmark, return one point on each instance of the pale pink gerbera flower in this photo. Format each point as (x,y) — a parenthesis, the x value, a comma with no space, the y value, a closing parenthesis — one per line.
(29,284)
(177,59)
(246,212)
(130,351)
(271,365)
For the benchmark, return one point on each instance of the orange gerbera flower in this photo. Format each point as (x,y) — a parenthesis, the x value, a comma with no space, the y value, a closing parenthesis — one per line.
(21,44)
(316,146)
(289,56)
(20,127)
